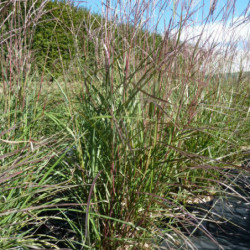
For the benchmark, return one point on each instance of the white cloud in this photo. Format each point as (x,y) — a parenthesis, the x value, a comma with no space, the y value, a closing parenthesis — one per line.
(223,36)
(217,32)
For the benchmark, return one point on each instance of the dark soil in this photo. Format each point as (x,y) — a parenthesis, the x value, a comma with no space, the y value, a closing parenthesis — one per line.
(227,224)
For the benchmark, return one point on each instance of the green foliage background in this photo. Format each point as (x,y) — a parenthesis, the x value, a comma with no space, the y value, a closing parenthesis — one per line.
(66,33)
(55,38)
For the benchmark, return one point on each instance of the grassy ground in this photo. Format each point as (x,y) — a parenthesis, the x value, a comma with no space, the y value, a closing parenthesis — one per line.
(108,158)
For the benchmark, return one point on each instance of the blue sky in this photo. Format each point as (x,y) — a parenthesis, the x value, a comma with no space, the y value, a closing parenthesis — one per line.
(215,29)
(96,7)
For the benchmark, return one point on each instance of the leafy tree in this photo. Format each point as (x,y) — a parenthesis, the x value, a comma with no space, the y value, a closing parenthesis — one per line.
(53,44)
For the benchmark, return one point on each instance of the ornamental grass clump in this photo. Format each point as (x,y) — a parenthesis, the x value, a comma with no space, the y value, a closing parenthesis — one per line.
(142,122)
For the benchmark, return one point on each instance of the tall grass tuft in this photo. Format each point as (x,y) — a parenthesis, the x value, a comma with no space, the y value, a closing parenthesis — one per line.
(111,153)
